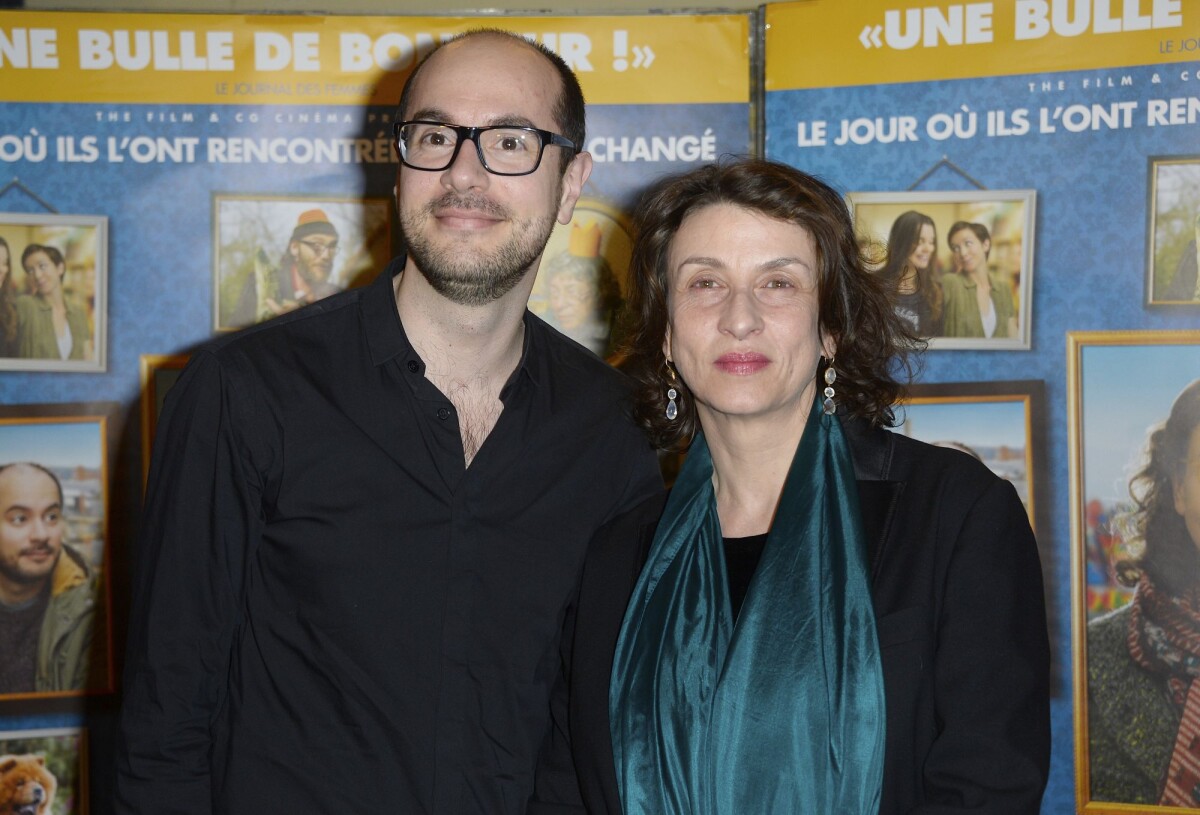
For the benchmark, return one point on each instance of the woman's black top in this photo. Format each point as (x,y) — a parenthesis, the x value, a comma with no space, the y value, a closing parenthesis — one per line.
(741,559)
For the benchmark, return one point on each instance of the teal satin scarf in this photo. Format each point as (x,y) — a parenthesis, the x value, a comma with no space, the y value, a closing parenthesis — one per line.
(785,711)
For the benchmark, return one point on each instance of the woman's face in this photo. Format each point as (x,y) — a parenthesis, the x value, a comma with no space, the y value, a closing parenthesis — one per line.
(45,274)
(1187,488)
(743,313)
(970,251)
(923,251)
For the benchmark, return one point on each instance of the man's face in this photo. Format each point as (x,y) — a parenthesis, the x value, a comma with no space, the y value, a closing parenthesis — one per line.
(31,525)
(472,234)
(314,256)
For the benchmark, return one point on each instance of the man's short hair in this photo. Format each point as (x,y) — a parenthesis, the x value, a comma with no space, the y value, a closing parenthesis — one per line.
(36,466)
(568,111)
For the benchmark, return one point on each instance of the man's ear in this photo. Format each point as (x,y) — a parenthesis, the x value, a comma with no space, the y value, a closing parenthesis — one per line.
(572,185)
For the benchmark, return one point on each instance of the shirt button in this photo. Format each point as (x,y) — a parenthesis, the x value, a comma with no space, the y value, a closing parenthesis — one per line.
(413,366)
(443,413)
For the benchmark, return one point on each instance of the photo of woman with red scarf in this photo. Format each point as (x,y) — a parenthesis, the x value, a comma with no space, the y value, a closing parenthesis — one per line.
(1144,658)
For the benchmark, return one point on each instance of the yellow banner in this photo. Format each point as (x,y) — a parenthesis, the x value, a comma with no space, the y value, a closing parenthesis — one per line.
(833,43)
(226,59)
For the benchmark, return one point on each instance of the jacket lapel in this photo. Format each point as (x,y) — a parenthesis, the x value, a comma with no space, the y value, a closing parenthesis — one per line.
(877,503)
(871,448)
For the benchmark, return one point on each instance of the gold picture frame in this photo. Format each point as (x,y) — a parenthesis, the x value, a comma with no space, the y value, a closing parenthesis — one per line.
(158,373)
(76,443)
(1120,385)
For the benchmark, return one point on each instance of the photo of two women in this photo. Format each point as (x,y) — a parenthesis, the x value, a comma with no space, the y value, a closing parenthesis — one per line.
(960,266)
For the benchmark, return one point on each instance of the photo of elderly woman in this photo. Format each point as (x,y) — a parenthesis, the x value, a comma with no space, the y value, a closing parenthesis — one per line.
(52,292)
(1144,657)
(579,285)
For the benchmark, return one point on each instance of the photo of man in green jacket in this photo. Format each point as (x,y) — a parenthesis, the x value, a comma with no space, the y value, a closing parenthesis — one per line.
(48,592)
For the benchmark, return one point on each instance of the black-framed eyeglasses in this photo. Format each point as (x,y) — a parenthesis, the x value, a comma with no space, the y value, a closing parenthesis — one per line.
(319,248)
(502,149)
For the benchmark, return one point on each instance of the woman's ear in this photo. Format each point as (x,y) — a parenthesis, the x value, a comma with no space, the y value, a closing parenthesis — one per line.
(828,345)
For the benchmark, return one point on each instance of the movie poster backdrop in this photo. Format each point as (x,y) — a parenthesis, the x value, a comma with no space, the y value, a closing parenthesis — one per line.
(210,144)
(1092,105)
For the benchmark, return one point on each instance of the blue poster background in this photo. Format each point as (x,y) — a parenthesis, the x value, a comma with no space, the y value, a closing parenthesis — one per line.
(1090,246)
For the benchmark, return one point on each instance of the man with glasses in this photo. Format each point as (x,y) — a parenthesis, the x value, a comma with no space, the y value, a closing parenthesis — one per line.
(365,520)
(300,278)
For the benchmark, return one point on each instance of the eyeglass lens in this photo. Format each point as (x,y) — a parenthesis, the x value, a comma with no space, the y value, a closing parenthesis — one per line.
(319,248)
(505,149)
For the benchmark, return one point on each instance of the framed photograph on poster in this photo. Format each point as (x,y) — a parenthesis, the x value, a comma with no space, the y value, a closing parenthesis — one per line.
(999,423)
(53,284)
(273,254)
(1173,234)
(1134,433)
(159,372)
(945,251)
(44,772)
(584,275)
(55,472)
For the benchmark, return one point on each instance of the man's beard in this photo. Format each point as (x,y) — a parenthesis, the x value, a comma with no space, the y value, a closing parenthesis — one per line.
(14,574)
(314,273)
(483,276)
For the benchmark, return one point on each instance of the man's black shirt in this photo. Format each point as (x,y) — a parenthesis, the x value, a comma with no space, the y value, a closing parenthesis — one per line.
(332,613)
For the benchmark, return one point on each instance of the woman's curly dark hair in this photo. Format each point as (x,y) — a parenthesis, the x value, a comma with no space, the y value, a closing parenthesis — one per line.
(1170,556)
(874,345)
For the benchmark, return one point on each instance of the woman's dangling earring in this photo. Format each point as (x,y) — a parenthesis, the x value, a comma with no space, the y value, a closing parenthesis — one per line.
(672,394)
(829,406)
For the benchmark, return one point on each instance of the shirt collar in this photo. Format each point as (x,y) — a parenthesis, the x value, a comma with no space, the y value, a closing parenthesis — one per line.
(526,369)
(381,323)
(387,340)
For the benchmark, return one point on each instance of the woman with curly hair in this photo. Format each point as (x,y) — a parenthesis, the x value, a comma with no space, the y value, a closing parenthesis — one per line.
(1144,659)
(822,616)
(910,270)
(8,311)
